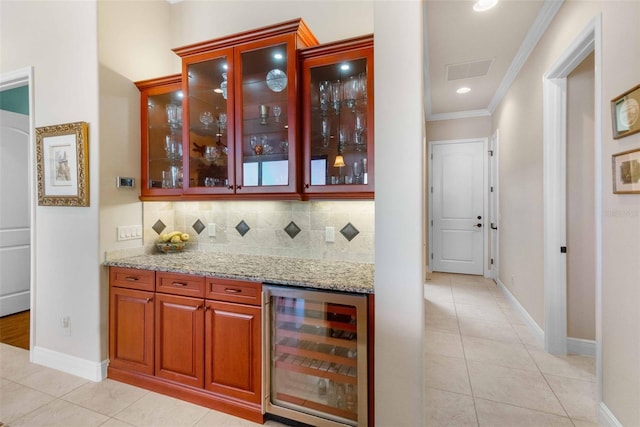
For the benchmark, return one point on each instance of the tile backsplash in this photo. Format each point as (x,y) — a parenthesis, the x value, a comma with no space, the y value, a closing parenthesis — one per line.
(287,228)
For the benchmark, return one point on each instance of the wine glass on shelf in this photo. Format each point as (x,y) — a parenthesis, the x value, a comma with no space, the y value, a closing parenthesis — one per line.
(360,126)
(336,95)
(277,110)
(325,131)
(206,118)
(222,121)
(357,172)
(324,89)
(350,90)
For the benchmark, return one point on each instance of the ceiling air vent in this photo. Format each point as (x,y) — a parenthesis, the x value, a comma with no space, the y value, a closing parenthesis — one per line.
(468,69)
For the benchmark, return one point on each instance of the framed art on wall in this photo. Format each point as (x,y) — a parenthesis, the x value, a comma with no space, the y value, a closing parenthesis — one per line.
(62,154)
(626,172)
(625,113)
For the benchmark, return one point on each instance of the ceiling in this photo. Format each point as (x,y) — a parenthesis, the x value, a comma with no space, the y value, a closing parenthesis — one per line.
(480,50)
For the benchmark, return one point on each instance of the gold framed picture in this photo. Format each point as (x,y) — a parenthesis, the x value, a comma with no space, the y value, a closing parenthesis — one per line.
(625,113)
(626,172)
(62,155)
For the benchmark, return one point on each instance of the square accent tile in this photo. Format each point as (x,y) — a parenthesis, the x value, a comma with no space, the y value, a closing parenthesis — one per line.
(242,228)
(158,226)
(198,226)
(349,232)
(292,229)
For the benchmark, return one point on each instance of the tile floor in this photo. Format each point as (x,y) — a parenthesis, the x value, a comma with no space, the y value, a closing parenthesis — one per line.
(483,367)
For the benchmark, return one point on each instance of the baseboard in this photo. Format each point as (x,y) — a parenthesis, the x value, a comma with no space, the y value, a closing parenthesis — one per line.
(15,303)
(581,346)
(92,371)
(524,315)
(606,417)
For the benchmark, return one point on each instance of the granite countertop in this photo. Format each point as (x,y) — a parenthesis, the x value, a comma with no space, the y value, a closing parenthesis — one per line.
(309,273)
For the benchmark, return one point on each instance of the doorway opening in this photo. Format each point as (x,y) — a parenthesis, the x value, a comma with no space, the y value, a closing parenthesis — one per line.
(555,193)
(18,209)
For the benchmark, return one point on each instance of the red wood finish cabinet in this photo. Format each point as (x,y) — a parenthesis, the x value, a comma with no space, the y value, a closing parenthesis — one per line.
(337,107)
(189,337)
(233,339)
(240,102)
(161,143)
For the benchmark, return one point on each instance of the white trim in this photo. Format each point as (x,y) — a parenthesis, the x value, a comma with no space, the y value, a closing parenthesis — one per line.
(606,417)
(543,20)
(92,371)
(10,80)
(458,115)
(524,314)
(581,346)
(495,148)
(554,184)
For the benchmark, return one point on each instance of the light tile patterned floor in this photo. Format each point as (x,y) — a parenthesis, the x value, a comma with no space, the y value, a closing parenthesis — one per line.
(483,367)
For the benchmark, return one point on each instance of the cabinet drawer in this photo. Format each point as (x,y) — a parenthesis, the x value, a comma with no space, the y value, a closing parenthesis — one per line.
(180,284)
(234,291)
(132,278)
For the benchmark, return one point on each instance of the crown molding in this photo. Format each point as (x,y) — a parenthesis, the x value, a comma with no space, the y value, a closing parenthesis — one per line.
(458,115)
(545,16)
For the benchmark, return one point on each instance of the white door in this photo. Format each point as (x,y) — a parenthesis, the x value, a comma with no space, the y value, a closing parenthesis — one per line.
(458,206)
(15,258)
(494,216)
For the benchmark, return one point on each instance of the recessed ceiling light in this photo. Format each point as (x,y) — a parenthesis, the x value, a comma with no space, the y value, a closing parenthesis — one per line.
(463,90)
(482,5)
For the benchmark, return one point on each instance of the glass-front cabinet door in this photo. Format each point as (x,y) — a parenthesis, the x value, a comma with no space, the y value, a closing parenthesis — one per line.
(266,116)
(161,130)
(338,119)
(209,146)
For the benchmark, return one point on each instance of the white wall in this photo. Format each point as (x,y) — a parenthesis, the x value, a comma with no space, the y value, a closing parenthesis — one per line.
(469,128)
(519,118)
(399,214)
(59,39)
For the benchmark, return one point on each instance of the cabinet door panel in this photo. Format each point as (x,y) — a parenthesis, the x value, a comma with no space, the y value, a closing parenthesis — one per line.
(233,355)
(179,339)
(131,330)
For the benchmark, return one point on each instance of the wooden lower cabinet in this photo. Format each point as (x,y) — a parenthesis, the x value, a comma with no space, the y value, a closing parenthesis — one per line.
(131,324)
(198,349)
(180,339)
(233,348)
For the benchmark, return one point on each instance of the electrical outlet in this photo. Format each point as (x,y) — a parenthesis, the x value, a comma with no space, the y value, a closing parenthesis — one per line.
(212,229)
(65,324)
(329,234)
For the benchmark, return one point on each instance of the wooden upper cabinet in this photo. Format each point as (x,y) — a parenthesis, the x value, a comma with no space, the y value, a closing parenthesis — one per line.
(161,131)
(240,103)
(337,108)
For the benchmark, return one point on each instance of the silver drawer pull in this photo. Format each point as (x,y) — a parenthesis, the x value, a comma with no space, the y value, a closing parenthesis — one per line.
(131,278)
(179,284)
(232,290)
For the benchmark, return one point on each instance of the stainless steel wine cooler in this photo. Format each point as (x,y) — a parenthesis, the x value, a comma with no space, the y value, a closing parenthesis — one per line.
(316,364)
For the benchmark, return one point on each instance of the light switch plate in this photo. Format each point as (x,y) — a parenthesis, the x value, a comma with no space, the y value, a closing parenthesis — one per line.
(129,232)
(329,234)
(211,228)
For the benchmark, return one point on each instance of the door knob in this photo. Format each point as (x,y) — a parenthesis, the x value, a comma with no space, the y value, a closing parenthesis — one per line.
(494,226)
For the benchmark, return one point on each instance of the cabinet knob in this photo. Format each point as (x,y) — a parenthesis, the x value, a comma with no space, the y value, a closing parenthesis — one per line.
(238,187)
(149,300)
(307,186)
(230,187)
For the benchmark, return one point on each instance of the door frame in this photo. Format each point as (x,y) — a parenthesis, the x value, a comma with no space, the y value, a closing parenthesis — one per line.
(11,80)
(554,187)
(485,199)
(494,204)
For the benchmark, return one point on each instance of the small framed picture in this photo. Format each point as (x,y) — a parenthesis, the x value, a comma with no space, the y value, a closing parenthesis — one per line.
(62,153)
(625,113)
(626,172)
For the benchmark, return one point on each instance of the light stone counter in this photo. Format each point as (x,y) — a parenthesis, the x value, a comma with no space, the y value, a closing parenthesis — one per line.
(307,273)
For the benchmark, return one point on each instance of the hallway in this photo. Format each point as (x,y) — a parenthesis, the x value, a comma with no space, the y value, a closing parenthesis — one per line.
(483,367)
